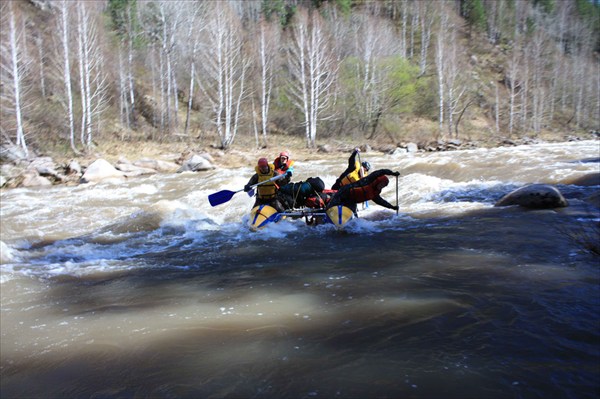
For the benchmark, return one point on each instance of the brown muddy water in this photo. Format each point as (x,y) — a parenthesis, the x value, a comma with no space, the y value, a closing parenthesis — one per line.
(141,289)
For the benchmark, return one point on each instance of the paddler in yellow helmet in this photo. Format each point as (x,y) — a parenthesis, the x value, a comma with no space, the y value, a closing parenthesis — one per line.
(266,193)
(354,172)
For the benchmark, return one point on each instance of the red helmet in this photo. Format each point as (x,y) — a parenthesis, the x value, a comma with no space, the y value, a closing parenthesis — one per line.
(263,162)
(284,154)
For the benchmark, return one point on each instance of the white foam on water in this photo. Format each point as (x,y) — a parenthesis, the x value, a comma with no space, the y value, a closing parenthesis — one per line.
(147,189)
(108,224)
(7,254)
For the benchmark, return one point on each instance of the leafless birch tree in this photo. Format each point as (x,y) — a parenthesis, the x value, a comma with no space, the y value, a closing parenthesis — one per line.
(189,49)
(537,54)
(512,83)
(171,14)
(313,70)
(454,80)
(427,17)
(125,23)
(440,59)
(13,69)
(224,66)
(269,37)
(63,28)
(376,45)
(93,82)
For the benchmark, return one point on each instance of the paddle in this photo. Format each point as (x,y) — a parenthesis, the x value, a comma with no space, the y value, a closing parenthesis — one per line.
(361,175)
(251,192)
(397,210)
(223,196)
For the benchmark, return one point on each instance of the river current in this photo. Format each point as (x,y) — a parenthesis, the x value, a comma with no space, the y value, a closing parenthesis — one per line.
(142,289)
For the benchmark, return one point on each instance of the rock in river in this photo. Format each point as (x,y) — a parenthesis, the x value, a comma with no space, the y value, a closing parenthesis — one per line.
(535,196)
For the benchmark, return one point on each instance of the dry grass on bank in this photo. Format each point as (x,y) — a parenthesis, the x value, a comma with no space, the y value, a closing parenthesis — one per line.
(243,152)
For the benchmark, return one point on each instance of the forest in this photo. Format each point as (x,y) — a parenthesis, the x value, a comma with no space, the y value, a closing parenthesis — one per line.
(77,73)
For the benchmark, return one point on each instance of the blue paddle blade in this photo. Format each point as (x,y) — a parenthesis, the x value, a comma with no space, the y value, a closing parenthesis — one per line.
(220,197)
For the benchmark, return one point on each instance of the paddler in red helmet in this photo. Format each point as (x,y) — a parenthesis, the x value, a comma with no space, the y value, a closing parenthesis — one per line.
(283,164)
(267,192)
(366,189)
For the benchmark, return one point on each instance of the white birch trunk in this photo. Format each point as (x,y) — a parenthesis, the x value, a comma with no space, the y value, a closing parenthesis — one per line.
(16,75)
(426,24)
(64,9)
(123,111)
(191,96)
(40,45)
(192,37)
(130,53)
(82,85)
(413,28)
(92,78)
(267,50)
(404,23)
(497,108)
(440,59)
(512,76)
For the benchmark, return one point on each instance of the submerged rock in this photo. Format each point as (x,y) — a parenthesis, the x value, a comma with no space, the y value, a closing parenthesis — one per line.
(535,196)
(593,199)
(592,179)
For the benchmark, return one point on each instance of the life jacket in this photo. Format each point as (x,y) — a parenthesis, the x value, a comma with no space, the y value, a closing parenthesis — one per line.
(319,201)
(266,190)
(357,174)
(368,192)
(283,167)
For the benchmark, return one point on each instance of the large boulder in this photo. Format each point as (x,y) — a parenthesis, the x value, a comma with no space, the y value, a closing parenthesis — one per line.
(46,167)
(399,152)
(100,170)
(196,163)
(132,170)
(73,168)
(157,165)
(31,178)
(412,147)
(534,196)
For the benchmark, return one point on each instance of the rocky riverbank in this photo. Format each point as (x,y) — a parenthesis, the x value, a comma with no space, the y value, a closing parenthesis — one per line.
(18,170)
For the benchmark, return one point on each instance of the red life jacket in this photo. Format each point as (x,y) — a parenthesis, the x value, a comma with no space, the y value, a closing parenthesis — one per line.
(282,167)
(319,201)
(368,192)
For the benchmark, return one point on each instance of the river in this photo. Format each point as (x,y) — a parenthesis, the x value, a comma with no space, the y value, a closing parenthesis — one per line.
(142,289)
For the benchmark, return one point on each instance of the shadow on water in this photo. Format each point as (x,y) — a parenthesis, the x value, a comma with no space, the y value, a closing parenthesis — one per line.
(494,303)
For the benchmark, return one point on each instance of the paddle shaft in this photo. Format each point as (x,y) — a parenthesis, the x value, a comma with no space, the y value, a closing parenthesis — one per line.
(251,192)
(223,196)
(361,174)
(397,210)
